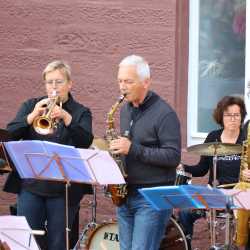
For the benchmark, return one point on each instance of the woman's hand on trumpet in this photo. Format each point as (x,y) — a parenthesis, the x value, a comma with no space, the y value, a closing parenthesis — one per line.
(38,110)
(59,113)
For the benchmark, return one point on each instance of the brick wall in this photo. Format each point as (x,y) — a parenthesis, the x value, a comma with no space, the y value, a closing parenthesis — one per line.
(92,36)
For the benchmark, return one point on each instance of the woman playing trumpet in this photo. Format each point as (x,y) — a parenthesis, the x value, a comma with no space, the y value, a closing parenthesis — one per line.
(40,200)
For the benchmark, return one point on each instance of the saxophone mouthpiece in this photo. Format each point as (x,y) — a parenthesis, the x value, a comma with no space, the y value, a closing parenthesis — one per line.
(122,96)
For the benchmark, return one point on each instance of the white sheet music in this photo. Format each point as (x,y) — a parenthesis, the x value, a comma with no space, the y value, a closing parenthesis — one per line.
(103,166)
(240,197)
(16,232)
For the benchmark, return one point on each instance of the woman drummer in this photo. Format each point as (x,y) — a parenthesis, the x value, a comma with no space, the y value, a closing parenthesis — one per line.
(229,114)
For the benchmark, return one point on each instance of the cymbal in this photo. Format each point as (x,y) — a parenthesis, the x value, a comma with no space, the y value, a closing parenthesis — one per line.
(215,148)
(100,143)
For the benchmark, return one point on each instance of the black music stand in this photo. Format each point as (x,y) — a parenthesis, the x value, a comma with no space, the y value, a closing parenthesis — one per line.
(56,162)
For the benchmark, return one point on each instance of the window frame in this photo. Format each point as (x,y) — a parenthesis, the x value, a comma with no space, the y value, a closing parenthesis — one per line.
(193,136)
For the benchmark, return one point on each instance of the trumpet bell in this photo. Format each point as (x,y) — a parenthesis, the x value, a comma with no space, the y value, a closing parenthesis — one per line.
(43,125)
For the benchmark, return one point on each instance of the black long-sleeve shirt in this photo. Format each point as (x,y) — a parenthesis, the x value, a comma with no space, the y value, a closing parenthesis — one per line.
(78,134)
(228,166)
(155,151)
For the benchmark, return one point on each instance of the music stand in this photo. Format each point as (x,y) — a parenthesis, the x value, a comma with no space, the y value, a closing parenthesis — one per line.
(5,165)
(44,160)
(189,196)
(185,196)
(16,232)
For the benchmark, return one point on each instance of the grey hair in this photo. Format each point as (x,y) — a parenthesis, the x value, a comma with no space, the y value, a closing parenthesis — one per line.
(62,66)
(142,67)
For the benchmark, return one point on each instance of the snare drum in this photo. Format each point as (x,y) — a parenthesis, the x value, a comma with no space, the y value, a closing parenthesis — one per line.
(106,237)
(182,178)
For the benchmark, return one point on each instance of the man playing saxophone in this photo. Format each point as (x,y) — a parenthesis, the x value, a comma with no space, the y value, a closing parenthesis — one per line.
(71,124)
(151,151)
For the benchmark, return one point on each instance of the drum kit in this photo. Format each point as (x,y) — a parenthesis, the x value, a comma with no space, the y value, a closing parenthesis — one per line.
(215,149)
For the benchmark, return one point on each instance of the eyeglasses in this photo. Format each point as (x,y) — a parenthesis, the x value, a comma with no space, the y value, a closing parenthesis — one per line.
(56,81)
(126,81)
(236,116)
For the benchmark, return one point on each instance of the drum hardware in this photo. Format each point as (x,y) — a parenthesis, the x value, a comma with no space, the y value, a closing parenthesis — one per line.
(229,185)
(216,149)
(91,226)
(182,177)
(174,238)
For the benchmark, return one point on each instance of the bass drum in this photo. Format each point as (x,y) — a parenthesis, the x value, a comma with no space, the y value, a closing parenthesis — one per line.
(106,237)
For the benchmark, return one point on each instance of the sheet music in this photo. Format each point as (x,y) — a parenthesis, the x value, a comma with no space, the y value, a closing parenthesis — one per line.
(241,198)
(16,232)
(103,167)
(39,160)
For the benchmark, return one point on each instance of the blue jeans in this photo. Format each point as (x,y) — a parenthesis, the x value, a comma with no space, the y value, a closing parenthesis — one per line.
(38,209)
(141,227)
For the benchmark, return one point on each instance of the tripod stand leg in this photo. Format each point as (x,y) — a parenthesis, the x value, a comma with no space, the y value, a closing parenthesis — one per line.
(67,230)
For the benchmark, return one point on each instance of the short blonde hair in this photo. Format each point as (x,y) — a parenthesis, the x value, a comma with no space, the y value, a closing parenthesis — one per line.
(62,66)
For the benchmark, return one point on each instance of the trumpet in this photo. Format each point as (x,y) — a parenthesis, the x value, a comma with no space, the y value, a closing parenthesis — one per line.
(44,124)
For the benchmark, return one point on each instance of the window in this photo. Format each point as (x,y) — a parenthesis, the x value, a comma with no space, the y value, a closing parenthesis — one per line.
(216,60)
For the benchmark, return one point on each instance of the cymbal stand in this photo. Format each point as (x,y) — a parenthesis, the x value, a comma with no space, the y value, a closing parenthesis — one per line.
(213,210)
(213,214)
(91,225)
(229,225)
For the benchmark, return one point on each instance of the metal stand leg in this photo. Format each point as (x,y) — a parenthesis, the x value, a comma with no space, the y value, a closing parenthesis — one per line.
(92,224)
(67,213)
(213,211)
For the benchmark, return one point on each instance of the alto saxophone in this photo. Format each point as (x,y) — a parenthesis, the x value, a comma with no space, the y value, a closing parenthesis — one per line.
(243,216)
(118,192)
